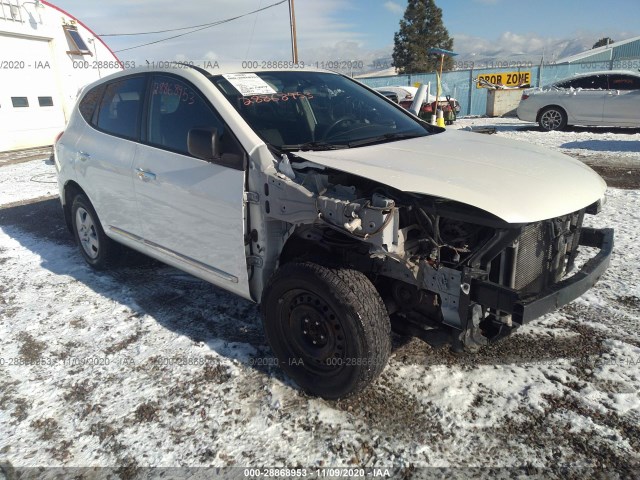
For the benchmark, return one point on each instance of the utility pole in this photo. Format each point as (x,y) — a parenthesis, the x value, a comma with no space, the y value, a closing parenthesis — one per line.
(294,39)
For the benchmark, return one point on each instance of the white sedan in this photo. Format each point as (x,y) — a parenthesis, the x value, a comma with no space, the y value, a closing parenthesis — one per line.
(610,98)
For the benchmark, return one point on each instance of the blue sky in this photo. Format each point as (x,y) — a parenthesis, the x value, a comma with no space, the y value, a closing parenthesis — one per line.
(377,20)
(355,29)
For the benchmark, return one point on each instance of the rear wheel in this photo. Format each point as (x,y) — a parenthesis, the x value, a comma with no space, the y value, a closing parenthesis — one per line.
(552,118)
(328,328)
(97,249)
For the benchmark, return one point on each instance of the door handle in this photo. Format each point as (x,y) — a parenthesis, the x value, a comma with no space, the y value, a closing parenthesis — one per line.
(145,175)
(83,156)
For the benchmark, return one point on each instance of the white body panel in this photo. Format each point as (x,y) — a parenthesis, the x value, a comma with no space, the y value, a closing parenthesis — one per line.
(516,182)
(104,169)
(193,208)
(598,107)
(584,106)
(624,106)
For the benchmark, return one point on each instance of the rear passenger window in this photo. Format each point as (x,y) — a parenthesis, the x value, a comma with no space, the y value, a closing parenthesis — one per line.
(175,108)
(90,102)
(120,108)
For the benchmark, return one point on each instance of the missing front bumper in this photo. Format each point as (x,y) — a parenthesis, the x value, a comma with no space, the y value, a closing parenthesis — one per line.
(525,309)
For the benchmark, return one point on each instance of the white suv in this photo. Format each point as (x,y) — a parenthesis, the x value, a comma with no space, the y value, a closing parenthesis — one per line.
(330,205)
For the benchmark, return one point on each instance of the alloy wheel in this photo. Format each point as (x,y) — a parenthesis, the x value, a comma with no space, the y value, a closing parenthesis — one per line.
(87,233)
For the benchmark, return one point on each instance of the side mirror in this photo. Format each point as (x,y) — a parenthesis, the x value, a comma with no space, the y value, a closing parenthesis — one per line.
(207,144)
(204,143)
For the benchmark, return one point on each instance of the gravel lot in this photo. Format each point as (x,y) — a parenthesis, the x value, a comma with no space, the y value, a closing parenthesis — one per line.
(145,366)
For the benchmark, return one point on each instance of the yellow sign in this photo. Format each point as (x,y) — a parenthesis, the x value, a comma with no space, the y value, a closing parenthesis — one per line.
(508,79)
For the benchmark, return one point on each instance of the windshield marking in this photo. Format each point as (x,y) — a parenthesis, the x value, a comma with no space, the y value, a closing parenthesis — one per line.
(249,83)
(274,97)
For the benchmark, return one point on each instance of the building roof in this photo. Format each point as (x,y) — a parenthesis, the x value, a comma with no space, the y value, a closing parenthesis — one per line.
(64,12)
(629,48)
(387,72)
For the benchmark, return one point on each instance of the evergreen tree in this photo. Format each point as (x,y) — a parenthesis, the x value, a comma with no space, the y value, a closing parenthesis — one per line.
(602,42)
(421,29)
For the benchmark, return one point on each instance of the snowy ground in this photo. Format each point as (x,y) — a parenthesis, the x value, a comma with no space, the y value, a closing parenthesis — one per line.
(617,146)
(27,181)
(146,366)
(613,152)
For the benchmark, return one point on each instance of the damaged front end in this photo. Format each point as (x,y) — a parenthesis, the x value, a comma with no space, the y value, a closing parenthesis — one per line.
(441,267)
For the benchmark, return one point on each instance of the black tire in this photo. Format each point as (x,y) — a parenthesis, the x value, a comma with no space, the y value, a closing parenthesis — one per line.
(342,312)
(552,118)
(96,248)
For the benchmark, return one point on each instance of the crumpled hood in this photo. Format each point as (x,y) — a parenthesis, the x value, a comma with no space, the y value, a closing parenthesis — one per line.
(515,181)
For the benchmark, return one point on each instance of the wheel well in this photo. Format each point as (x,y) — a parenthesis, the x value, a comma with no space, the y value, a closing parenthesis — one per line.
(298,248)
(324,247)
(71,189)
(550,106)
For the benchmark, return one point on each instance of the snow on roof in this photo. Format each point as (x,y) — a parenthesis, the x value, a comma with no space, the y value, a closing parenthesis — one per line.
(387,72)
(596,51)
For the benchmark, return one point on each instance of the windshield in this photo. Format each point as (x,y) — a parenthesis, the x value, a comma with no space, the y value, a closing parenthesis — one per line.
(297,110)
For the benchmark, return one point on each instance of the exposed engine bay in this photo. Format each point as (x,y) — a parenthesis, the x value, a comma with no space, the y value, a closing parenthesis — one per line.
(434,261)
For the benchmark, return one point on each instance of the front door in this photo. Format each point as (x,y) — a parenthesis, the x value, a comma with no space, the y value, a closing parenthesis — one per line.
(622,104)
(191,210)
(585,99)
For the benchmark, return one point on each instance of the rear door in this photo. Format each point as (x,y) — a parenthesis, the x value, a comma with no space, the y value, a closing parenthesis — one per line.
(622,103)
(191,210)
(106,150)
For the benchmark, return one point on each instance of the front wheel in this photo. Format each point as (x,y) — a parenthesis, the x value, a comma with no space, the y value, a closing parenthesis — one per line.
(552,118)
(328,328)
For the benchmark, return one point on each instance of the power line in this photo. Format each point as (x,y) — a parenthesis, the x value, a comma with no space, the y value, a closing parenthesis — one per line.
(195,28)
(217,22)
(150,33)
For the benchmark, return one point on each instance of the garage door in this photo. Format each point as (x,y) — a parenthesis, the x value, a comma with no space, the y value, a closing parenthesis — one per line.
(31,111)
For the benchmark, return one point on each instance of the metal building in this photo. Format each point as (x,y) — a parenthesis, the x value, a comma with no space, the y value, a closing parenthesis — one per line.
(614,52)
(47,56)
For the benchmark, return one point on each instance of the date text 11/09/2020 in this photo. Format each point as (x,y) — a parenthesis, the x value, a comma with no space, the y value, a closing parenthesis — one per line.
(336,65)
(215,65)
(327,472)
(211,65)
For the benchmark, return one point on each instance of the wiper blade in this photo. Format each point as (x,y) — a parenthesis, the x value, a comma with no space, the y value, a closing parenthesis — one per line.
(311,146)
(388,137)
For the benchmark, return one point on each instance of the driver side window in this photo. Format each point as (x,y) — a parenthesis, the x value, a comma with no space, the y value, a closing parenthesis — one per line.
(175,108)
(594,82)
